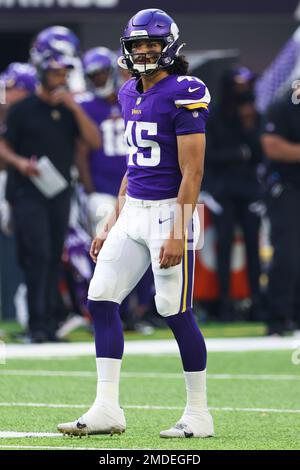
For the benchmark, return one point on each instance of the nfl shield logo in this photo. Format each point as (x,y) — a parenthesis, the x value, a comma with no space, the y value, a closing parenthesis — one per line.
(139,99)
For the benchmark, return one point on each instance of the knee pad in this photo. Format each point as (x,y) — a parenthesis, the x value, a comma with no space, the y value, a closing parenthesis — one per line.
(103,285)
(166,306)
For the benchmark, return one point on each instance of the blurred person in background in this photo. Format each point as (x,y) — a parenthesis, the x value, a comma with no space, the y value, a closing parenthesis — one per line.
(19,80)
(48,122)
(232,156)
(102,170)
(281,143)
(60,40)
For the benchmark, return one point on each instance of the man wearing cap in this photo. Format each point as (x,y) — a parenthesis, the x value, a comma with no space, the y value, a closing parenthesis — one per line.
(47,123)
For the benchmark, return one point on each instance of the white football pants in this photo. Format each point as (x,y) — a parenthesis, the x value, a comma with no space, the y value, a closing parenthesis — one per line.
(132,244)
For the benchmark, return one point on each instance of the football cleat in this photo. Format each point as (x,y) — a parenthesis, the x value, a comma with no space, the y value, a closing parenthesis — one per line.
(191,426)
(109,421)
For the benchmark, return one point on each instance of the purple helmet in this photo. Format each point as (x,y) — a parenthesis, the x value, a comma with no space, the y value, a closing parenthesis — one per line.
(55,61)
(20,75)
(151,24)
(96,60)
(243,74)
(54,41)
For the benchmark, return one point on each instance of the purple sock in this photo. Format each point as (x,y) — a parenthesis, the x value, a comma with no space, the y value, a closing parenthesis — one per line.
(189,339)
(109,339)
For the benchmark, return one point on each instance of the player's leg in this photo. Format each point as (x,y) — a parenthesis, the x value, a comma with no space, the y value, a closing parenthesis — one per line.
(224,222)
(33,246)
(121,263)
(174,292)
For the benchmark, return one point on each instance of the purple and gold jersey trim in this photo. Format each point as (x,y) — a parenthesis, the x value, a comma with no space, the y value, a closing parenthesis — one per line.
(193,106)
(188,265)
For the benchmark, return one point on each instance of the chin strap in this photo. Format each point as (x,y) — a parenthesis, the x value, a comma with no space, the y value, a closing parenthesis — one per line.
(122,63)
(179,48)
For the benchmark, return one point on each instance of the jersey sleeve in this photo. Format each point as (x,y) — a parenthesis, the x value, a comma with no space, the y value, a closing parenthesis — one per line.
(191,93)
(12,128)
(191,102)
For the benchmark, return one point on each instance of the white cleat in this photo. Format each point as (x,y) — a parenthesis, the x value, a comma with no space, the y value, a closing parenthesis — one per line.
(109,421)
(191,426)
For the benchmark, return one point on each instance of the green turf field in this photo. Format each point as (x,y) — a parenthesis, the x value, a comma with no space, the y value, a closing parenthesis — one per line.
(254,398)
(209,330)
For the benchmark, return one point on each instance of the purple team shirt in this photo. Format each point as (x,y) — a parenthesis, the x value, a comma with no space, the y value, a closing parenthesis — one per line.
(107,164)
(176,105)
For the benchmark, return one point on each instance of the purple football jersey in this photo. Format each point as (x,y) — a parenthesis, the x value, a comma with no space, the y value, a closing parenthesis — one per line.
(107,164)
(176,105)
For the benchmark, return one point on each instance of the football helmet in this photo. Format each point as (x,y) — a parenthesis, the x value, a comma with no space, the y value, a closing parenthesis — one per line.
(150,24)
(20,75)
(54,43)
(101,59)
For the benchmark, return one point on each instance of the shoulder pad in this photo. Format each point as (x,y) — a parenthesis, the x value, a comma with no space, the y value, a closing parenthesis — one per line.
(85,97)
(191,93)
(127,86)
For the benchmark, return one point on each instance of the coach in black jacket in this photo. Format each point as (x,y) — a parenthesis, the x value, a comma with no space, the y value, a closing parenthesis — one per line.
(49,123)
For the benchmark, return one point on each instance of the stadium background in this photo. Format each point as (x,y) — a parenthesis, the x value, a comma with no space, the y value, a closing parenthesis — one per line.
(217,35)
(253,393)
(203,25)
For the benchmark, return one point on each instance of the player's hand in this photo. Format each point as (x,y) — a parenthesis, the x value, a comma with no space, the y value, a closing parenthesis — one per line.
(171,253)
(28,167)
(62,96)
(96,245)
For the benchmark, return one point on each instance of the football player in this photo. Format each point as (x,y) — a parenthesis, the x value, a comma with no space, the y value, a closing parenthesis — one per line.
(165,113)
(19,79)
(60,41)
(101,171)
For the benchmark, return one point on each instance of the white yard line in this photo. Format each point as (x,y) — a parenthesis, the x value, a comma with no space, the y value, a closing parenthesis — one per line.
(253,377)
(152,347)
(3,446)
(149,407)
(40,405)
(15,434)
(144,375)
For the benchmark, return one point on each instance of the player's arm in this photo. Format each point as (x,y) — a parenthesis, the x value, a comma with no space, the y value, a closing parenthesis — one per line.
(280,149)
(275,131)
(26,166)
(191,150)
(10,137)
(82,163)
(2,165)
(87,128)
(98,241)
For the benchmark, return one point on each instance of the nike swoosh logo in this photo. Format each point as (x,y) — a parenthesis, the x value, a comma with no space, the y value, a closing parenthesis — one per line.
(193,89)
(188,434)
(162,221)
(80,426)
